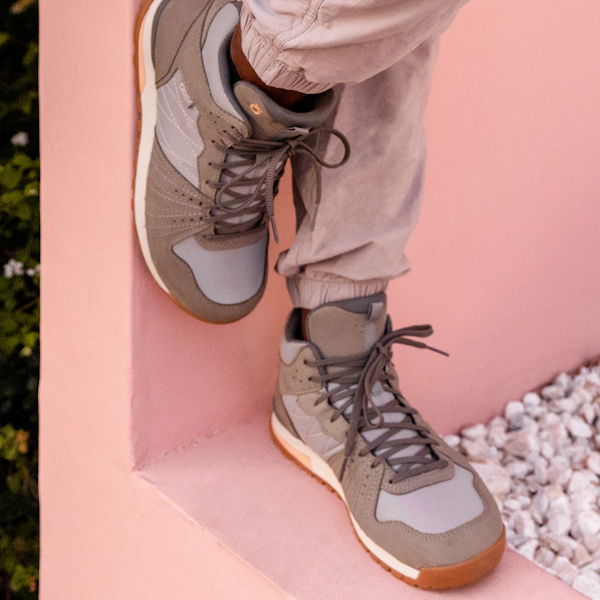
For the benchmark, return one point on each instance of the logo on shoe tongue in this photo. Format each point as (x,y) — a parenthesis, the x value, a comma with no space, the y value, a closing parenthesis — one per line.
(256,109)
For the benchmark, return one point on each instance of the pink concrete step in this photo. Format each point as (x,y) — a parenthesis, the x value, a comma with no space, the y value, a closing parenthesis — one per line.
(238,486)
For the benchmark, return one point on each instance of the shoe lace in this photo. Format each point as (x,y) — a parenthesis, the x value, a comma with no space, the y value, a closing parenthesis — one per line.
(351,380)
(259,168)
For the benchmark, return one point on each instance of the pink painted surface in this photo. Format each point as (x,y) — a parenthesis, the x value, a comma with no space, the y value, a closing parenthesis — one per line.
(241,489)
(505,268)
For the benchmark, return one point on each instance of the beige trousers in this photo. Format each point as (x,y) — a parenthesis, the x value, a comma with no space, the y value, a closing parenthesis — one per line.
(380,55)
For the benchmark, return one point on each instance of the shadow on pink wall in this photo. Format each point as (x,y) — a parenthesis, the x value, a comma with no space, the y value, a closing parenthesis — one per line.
(505,258)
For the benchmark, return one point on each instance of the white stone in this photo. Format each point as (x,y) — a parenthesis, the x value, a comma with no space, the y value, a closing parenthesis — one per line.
(577,453)
(523,524)
(560,476)
(497,436)
(536,515)
(525,501)
(512,504)
(581,556)
(533,485)
(579,428)
(582,480)
(541,503)
(588,585)
(547,450)
(452,440)
(514,540)
(553,392)
(528,549)
(548,420)
(589,523)
(565,570)
(559,525)
(549,541)
(594,566)
(477,450)
(544,556)
(589,413)
(582,500)
(495,477)
(519,469)
(531,400)
(559,516)
(498,422)
(513,409)
(557,436)
(569,405)
(521,443)
(554,492)
(583,396)
(593,462)
(541,475)
(476,432)
(564,381)
(591,542)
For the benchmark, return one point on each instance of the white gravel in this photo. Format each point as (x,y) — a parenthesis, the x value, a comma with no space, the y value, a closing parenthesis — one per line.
(541,461)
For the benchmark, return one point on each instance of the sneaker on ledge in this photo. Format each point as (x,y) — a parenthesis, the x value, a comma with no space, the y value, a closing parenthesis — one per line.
(415,504)
(211,153)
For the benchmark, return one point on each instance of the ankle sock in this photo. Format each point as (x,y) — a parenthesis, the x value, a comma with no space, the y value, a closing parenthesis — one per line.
(287,98)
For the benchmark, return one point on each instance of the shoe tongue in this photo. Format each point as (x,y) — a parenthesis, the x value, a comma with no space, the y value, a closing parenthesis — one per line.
(348,326)
(270,121)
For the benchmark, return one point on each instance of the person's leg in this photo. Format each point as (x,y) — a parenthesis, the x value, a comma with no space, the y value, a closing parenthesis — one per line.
(212,148)
(310,45)
(370,206)
(416,504)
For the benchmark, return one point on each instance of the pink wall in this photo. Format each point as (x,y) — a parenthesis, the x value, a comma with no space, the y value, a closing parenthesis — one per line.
(505,258)
(505,267)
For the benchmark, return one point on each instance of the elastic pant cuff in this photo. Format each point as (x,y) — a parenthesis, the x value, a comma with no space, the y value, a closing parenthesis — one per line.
(318,288)
(263,55)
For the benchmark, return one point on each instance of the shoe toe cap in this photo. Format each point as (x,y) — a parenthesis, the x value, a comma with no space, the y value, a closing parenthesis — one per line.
(226,277)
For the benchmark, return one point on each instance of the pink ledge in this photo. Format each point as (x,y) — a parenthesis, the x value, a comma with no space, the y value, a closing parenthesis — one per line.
(239,487)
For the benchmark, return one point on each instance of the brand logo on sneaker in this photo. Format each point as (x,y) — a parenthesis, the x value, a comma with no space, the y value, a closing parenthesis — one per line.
(185,94)
(255,108)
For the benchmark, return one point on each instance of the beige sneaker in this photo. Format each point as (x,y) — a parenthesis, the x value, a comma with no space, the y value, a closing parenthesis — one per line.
(416,505)
(211,153)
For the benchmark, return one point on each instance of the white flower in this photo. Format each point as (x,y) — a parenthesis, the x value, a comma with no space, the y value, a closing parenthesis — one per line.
(33,272)
(13,267)
(20,139)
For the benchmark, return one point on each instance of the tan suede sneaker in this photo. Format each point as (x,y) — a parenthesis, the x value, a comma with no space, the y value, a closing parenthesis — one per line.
(211,153)
(416,505)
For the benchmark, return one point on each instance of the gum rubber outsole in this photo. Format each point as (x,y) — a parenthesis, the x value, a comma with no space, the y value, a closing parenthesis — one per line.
(430,578)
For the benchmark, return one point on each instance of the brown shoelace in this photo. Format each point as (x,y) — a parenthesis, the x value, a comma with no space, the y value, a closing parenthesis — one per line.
(263,162)
(362,372)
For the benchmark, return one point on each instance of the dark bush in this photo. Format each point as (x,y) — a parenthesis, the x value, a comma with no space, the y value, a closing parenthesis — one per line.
(19,299)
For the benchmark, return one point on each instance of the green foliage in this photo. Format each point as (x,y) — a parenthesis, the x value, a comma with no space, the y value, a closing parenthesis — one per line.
(19,299)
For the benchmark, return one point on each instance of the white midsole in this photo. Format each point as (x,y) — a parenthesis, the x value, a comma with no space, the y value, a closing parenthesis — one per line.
(322,470)
(148,101)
